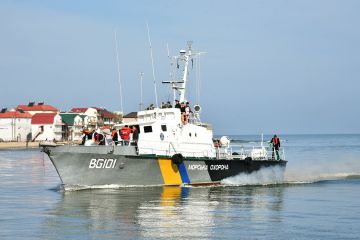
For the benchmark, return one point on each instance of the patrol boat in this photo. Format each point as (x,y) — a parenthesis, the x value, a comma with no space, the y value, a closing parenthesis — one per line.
(169,151)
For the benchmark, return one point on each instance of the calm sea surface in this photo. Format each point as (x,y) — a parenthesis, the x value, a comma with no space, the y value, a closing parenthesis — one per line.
(318,197)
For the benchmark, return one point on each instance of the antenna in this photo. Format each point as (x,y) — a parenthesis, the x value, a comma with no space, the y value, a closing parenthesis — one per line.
(118,70)
(198,78)
(171,73)
(168,51)
(152,64)
(141,91)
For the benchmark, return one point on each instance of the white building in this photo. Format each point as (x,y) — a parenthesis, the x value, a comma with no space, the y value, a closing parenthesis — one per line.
(47,127)
(15,126)
(74,124)
(105,117)
(91,116)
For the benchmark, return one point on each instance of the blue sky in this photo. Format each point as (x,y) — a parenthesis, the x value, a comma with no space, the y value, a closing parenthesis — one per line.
(272,66)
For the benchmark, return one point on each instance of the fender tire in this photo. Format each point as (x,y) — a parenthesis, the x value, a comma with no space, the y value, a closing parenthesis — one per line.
(177,158)
(248,160)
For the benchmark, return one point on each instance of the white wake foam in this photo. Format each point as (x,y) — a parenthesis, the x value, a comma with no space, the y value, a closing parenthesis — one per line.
(305,171)
(313,170)
(265,176)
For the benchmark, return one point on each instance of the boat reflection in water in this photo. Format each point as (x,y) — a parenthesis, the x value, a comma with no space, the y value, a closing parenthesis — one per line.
(165,212)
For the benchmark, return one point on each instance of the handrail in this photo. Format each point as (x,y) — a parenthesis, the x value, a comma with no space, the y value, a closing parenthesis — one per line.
(171,144)
(234,151)
(247,152)
(194,154)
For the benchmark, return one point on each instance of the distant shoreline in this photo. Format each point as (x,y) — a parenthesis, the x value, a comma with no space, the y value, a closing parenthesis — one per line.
(18,145)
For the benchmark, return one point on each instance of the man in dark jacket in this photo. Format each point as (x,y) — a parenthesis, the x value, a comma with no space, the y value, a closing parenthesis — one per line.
(177,104)
(135,133)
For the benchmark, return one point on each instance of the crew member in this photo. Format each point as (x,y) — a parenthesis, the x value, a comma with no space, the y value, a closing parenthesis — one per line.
(135,135)
(96,137)
(183,113)
(115,136)
(187,112)
(125,134)
(84,137)
(217,143)
(101,138)
(177,104)
(275,141)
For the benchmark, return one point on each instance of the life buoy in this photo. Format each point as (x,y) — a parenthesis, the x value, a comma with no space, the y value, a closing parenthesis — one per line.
(177,158)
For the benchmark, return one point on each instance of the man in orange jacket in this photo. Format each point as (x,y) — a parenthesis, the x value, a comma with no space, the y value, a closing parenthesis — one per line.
(275,141)
(125,134)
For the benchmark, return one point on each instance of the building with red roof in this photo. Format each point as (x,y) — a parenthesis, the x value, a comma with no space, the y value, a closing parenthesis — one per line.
(40,107)
(106,117)
(47,127)
(79,110)
(15,114)
(43,118)
(15,126)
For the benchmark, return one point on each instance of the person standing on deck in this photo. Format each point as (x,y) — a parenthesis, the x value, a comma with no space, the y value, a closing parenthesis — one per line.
(135,132)
(115,136)
(183,113)
(177,104)
(275,141)
(125,134)
(187,112)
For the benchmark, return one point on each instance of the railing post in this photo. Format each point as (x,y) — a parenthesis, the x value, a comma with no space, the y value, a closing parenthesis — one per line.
(283,154)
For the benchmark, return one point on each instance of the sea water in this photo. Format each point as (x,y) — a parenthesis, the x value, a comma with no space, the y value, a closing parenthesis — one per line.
(317,197)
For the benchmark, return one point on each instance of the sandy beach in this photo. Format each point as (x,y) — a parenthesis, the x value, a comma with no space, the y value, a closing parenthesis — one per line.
(12,145)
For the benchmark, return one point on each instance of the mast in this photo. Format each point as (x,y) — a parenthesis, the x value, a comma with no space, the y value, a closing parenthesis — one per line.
(141,91)
(179,85)
(152,64)
(186,58)
(118,70)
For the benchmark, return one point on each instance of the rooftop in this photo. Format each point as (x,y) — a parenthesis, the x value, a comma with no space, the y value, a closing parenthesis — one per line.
(131,115)
(69,118)
(15,114)
(43,118)
(105,113)
(78,110)
(36,107)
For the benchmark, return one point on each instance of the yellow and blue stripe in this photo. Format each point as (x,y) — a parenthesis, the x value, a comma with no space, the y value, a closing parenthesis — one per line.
(173,174)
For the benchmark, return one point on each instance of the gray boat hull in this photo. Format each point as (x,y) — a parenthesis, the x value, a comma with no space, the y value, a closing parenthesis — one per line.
(121,166)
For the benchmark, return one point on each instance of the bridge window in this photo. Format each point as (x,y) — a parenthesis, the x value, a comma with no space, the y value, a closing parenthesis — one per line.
(147,129)
(163,128)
